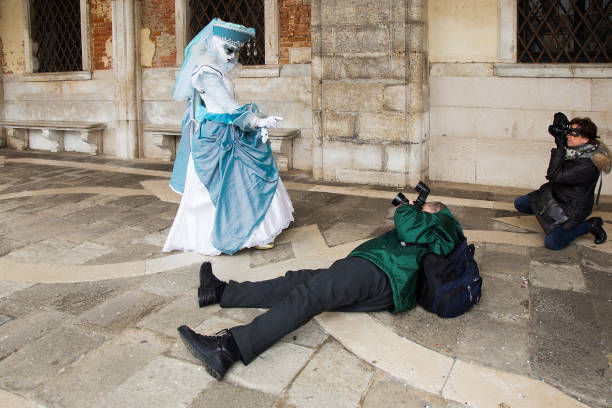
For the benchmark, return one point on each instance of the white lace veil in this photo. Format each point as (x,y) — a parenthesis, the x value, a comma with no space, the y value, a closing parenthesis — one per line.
(183,89)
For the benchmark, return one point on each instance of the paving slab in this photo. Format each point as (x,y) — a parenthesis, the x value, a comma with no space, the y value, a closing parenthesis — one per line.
(388,392)
(183,310)
(18,333)
(557,276)
(40,251)
(273,370)
(281,252)
(480,387)
(124,310)
(175,282)
(441,335)
(80,254)
(495,342)
(73,298)
(333,374)
(163,383)
(566,347)
(41,360)
(232,396)
(101,371)
(7,287)
(503,297)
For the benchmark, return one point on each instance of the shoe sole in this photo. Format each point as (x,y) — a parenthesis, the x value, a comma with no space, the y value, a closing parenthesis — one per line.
(204,269)
(202,357)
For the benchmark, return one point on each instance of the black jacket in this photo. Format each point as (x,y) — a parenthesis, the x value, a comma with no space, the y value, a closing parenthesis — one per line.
(567,198)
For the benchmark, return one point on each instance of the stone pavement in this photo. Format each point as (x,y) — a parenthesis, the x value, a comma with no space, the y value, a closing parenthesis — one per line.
(89,305)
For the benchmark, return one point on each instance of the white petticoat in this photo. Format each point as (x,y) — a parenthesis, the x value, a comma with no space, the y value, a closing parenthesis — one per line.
(194,221)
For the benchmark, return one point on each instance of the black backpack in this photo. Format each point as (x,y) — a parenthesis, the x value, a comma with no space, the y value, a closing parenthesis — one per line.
(449,286)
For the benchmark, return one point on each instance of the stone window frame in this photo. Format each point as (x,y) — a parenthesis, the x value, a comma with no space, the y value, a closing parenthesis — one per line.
(84,74)
(272,40)
(506,53)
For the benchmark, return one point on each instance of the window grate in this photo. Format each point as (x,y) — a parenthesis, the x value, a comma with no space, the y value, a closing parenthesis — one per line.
(56,35)
(564,31)
(249,13)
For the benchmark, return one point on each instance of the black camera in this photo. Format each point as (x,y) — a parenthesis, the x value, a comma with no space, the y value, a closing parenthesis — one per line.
(423,191)
(560,127)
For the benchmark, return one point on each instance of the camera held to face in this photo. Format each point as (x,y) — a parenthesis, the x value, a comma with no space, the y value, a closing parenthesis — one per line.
(560,127)
(423,191)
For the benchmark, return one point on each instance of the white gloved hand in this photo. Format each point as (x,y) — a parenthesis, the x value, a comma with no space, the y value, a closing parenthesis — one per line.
(268,122)
(264,134)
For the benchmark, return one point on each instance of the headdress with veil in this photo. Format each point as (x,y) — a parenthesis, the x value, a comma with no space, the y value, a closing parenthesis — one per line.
(200,45)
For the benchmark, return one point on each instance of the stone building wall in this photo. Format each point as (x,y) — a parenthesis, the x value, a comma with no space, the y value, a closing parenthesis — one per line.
(489,116)
(368,82)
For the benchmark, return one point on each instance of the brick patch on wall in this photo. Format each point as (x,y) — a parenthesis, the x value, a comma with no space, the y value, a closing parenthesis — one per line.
(102,34)
(294,26)
(158,16)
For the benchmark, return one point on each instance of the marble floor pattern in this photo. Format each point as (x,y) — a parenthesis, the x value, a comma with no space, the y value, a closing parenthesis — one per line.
(84,287)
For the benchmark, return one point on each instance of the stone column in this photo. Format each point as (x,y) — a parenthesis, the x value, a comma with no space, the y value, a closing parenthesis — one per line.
(418,112)
(368,75)
(128,78)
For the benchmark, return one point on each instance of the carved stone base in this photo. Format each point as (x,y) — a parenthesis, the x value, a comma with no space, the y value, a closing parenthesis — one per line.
(17,138)
(281,143)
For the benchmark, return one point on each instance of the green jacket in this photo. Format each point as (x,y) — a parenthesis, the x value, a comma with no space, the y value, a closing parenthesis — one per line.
(438,233)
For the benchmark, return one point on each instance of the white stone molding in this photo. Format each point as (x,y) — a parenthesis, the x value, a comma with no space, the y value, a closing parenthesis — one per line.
(128,78)
(55,139)
(272,34)
(94,139)
(28,45)
(506,35)
(17,138)
(182,14)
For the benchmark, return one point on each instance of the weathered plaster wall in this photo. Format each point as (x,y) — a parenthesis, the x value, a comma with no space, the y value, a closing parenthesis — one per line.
(491,129)
(11,37)
(462,30)
(158,18)
(294,30)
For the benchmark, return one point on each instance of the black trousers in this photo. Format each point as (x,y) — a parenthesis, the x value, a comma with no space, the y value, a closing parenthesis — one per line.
(350,284)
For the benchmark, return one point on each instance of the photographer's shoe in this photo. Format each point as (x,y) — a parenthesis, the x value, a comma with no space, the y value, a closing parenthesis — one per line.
(217,353)
(211,288)
(597,229)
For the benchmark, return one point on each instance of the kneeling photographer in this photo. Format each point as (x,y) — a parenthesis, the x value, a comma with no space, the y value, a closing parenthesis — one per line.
(563,204)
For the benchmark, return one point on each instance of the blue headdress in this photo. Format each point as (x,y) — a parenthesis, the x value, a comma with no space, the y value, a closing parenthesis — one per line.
(235,34)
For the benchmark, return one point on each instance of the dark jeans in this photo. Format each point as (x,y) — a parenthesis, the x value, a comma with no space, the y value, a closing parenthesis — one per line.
(350,284)
(558,238)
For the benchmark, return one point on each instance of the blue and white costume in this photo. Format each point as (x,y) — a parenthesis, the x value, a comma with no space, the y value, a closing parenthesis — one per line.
(232,195)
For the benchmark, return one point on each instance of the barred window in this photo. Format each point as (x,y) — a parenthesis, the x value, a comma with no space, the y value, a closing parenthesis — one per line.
(564,31)
(55,29)
(249,13)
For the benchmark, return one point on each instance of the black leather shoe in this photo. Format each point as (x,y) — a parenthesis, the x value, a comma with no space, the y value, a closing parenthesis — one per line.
(597,229)
(211,288)
(213,351)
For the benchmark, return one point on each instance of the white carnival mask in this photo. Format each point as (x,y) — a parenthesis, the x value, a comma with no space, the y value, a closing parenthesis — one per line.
(224,50)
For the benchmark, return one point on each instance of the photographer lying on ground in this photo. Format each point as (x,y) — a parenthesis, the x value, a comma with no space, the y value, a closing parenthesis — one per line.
(380,274)
(562,205)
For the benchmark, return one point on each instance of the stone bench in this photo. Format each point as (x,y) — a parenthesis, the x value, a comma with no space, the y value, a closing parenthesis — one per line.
(281,142)
(18,133)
